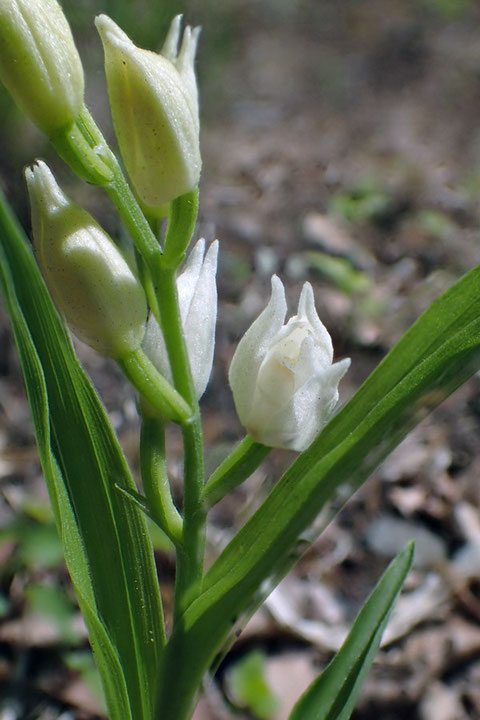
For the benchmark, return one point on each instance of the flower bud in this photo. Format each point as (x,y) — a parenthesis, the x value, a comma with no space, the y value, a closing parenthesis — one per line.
(197,297)
(88,277)
(154,103)
(39,63)
(282,378)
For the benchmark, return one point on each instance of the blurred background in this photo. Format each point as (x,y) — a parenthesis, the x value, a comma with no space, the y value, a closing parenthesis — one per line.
(340,145)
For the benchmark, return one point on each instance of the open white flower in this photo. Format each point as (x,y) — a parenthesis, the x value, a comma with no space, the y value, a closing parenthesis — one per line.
(284,384)
(154,104)
(197,296)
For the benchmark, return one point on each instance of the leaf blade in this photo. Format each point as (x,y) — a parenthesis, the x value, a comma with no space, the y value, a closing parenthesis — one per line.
(115,573)
(333,693)
(436,355)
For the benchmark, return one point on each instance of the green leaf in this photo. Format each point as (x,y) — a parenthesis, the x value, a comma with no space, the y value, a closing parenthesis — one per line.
(106,543)
(435,356)
(333,694)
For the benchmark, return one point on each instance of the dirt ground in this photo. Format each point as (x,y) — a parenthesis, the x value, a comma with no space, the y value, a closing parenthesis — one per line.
(340,145)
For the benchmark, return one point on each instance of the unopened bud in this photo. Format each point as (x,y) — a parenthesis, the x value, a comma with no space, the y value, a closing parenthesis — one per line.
(88,277)
(39,63)
(154,103)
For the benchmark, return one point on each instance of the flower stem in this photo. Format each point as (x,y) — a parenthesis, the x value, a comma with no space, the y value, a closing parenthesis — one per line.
(180,403)
(190,562)
(155,388)
(236,468)
(155,479)
(85,149)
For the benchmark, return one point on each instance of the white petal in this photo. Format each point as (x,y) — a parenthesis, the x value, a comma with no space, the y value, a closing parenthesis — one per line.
(185,65)
(306,310)
(155,348)
(187,281)
(186,56)
(197,294)
(306,416)
(314,403)
(253,348)
(273,391)
(170,46)
(308,365)
(200,321)
(276,431)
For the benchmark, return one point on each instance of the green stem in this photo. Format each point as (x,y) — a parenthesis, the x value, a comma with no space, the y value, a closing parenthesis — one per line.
(129,210)
(155,388)
(190,562)
(142,373)
(236,468)
(87,152)
(82,155)
(139,370)
(155,479)
(189,572)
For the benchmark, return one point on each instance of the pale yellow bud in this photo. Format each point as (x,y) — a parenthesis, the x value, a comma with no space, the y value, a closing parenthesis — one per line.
(39,63)
(88,277)
(154,103)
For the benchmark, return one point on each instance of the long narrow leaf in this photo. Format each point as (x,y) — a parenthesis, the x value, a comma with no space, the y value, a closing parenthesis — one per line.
(436,356)
(108,550)
(333,694)
(112,675)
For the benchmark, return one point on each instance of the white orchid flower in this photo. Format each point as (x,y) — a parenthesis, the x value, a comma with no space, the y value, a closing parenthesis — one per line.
(39,63)
(284,384)
(197,296)
(88,277)
(154,103)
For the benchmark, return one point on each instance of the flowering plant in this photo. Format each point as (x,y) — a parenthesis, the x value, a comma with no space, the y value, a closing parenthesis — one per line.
(156,319)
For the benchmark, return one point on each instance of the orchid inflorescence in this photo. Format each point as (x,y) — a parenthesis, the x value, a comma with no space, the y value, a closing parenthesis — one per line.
(283,380)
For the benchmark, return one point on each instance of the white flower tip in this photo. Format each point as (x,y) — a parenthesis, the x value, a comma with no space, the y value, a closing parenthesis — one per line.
(195,256)
(186,56)
(195,35)
(43,188)
(277,286)
(306,301)
(110,32)
(212,253)
(198,258)
(308,312)
(170,46)
(277,305)
(337,371)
